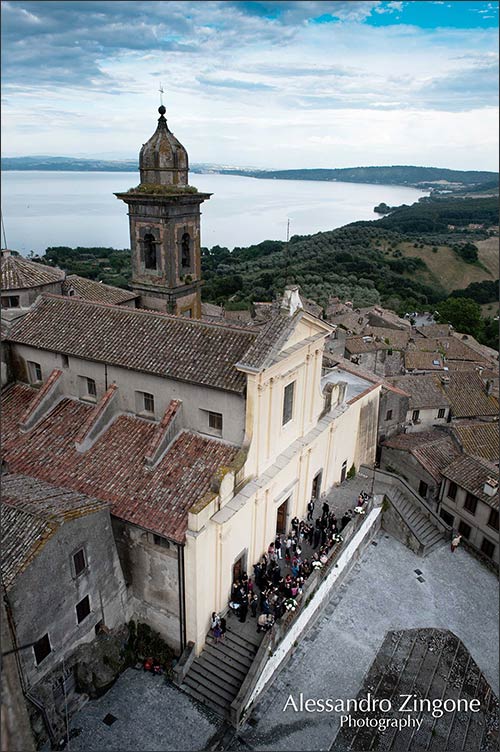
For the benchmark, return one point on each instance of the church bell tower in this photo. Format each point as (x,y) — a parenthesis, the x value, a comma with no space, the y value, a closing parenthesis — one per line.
(164,218)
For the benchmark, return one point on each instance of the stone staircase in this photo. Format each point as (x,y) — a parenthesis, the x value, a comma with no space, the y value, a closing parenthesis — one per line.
(421,527)
(216,676)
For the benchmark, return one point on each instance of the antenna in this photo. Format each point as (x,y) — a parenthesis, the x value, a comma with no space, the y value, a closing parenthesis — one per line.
(287,258)
(288,230)
(3,231)
(162,92)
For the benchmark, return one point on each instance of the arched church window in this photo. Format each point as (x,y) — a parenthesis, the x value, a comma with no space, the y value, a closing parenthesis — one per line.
(149,251)
(186,251)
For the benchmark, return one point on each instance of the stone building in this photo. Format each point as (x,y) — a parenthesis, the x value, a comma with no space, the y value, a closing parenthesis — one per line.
(428,404)
(60,570)
(164,219)
(469,503)
(24,280)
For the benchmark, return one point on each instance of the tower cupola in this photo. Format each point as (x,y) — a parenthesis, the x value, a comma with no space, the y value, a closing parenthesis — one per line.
(163,160)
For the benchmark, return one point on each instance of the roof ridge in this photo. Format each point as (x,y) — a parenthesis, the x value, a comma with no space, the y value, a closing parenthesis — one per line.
(145,312)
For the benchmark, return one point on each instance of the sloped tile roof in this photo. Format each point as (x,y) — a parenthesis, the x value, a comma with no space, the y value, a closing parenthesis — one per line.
(269,340)
(395,338)
(451,347)
(468,397)
(425,390)
(471,473)
(434,450)
(175,347)
(434,330)
(114,470)
(97,292)
(32,512)
(478,438)
(423,361)
(18,273)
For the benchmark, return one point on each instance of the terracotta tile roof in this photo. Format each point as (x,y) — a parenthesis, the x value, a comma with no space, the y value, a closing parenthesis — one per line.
(269,340)
(18,273)
(434,330)
(175,347)
(352,322)
(97,292)
(395,338)
(471,473)
(486,352)
(468,397)
(32,512)
(478,438)
(423,361)
(366,343)
(16,399)
(425,390)
(114,470)
(450,347)
(434,450)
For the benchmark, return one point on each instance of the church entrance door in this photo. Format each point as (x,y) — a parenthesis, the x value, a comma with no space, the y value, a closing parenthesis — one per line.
(281,518)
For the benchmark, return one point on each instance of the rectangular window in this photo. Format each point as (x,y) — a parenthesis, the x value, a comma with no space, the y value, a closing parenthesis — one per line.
(488,548)
(42,649)
(470,503)
(10,301)
(149,403)
(83,609)
(493,520)
(65,361)
(215,421)
(159,540)
(441,412)
(388,415)
(35,372)
(288,402)
(464,529)
(79,562)
(447,517)
(415,415)
(422,489)
(452,491)
(91,388)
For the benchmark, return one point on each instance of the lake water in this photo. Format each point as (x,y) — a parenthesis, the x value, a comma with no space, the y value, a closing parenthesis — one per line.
(42,209)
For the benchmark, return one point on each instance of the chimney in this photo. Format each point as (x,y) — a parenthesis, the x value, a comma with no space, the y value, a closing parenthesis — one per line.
(291,300)
(6,252)
(491,486)
(489,387)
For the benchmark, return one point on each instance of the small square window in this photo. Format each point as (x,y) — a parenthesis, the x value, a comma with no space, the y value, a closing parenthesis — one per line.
(452,491)
(488,548)
(35,372)
(42,649)
(493,520)
(159,540)
(91,388)
(388,415)
(441,412)
(10,301)
(470,503)
(79,561)
(464,529)
(215,421)
(83,609)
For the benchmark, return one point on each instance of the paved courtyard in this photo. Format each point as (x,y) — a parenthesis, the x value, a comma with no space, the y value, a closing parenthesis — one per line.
(151,715)
(383,593)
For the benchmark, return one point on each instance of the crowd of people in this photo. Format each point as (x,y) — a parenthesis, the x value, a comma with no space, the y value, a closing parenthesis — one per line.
(271,591)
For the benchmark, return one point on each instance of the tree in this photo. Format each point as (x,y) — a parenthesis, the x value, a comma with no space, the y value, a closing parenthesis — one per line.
(464,314)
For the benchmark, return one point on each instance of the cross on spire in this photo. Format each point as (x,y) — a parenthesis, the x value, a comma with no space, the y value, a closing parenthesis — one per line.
(162,92)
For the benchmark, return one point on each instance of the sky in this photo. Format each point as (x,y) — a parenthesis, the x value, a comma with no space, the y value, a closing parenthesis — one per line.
(257,84)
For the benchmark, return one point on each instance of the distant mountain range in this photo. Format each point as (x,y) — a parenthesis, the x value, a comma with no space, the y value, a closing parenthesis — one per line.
(436,178)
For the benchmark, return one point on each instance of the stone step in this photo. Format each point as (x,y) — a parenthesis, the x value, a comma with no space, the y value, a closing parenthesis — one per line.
(227,656)
(220,709)
(238,651)
(213,685)
(241,641)
(231,674)
(251,638)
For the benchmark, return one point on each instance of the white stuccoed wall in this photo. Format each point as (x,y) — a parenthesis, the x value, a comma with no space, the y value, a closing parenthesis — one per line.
(303,621)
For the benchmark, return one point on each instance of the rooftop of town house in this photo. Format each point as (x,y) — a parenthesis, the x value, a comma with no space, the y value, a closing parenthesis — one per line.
(478,438)
(434,330)
(96,292)
(114,469)
(19,273)
(425,390)
(350,320)
(434,449)
(32,512)
(468,397)
(331,361)
(451,347)
(414,360)
(395,338)
(471,473)
(488,353)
